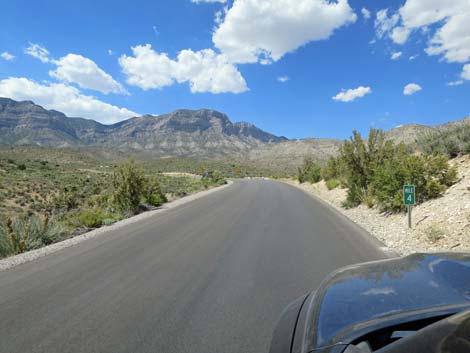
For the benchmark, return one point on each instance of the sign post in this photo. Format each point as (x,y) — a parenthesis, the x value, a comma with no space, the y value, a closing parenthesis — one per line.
(409,199)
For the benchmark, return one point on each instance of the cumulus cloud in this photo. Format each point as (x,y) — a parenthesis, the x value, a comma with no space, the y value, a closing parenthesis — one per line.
(74,68)
(352,94)
(205,70)
(451,39)
(396,55)
(465,72)
(411,88)
(64,98)
(383,23)
(264,31)
(365,13)
(400,34)
(283,79)
(37,51)
(7,56)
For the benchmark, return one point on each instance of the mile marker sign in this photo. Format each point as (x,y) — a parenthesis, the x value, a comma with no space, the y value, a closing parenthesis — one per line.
(409,194)
(409,198)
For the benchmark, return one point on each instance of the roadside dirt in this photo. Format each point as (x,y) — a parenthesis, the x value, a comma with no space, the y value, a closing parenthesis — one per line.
(442,224)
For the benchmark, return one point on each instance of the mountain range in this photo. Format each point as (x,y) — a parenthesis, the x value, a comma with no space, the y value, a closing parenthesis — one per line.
(201,133)
(190,133)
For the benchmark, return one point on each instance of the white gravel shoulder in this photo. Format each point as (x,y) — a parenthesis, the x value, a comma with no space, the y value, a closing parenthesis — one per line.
(16,260)
(448,217)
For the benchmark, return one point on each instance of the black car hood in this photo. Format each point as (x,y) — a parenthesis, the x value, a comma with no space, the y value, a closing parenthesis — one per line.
(354,296)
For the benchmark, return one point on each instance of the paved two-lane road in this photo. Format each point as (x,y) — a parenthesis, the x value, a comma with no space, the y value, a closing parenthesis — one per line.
(210,276)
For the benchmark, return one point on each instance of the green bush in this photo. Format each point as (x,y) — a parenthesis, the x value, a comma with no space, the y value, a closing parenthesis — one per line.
(376,171)
(92,218)
(310,171)
(129,185)
(332,184)
(213,178)
(153,194)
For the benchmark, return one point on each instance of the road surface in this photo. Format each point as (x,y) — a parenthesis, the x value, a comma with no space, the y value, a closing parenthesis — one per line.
(210,276)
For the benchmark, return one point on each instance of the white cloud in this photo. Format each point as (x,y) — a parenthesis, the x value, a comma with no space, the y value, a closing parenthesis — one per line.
(74,68)
(411,88)
(283,79)
(384,24)
(202,1)
(352,94)
(412,57)
(465,72)
(400,34)
(264,31)
(452,37)
(205,70)
(64,98)
(7,56)
(396,55)
(110,52)
(365,13)
(455,83)
(37,51)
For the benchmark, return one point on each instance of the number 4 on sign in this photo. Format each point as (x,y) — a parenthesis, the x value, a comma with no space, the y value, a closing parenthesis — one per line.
(409,199)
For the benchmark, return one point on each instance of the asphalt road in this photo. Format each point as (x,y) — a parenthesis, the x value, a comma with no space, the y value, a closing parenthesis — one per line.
(210,276)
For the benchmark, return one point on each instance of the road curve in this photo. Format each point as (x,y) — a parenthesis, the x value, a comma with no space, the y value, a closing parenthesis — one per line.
(210,276)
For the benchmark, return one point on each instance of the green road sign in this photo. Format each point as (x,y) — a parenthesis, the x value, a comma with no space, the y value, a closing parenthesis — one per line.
(409,194)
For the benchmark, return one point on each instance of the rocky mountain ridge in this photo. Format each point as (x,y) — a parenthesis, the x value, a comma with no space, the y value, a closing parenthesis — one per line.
(201,133)
(204,132)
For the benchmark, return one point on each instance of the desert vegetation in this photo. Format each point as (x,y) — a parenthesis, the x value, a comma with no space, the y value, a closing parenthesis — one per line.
(452,141)
(374,170)
(47,198)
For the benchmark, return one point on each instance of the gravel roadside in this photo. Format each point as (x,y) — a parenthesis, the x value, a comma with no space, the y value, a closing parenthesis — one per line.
(16,260)
(442,224)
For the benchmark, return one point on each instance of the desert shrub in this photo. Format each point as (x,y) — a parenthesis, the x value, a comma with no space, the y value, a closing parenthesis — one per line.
(98,201)
(129,185)
(310,171)
(91,218)
(67,198)
(26,233)
(361,159)
(335,168)
(376,171)
(368,197)
(434,233)
(22,166)
(109,221)
(214,177)
(451,141)
(153,194)
(332,184)
(431,176)
(354,196)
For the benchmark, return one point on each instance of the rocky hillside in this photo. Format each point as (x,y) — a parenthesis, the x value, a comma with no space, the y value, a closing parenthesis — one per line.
(201,133)
(183,133)
(290,154)
(409,133)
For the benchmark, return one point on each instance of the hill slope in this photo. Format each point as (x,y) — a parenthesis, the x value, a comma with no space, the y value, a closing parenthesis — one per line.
(201,133)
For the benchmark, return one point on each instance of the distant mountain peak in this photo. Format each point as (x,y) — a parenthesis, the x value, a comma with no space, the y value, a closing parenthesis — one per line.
(184,132)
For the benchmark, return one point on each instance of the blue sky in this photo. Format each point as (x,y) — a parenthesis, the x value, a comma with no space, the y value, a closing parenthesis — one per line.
(109,60)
